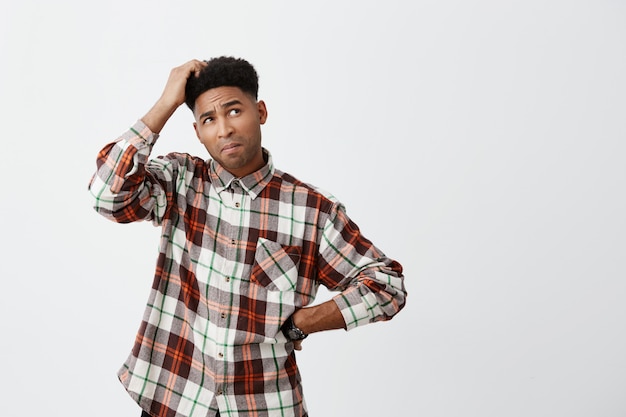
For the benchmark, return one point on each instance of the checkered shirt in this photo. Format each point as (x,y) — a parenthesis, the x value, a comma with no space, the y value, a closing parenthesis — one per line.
(237,257)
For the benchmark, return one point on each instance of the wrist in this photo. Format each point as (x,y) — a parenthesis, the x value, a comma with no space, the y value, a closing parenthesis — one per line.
(292,331)
(158,115)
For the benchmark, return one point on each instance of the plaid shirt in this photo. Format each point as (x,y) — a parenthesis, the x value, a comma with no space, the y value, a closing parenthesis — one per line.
(237,256)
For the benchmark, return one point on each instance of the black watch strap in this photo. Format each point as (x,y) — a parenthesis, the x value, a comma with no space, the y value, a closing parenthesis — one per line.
(292,332)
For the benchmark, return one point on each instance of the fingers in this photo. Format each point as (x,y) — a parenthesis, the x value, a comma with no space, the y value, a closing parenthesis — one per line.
(191,67)
(195,66)
(297,344)
(174,92)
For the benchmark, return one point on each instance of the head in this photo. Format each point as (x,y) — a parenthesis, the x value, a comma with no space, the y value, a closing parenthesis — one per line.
(220,72)
(228,116)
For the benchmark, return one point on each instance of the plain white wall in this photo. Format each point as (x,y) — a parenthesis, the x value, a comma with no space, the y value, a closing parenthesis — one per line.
(481,143)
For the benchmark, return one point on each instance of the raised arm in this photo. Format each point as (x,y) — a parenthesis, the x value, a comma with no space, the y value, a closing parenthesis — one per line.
(173,95)
(124,188)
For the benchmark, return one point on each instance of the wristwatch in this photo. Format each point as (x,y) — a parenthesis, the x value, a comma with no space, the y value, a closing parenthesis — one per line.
(291,332)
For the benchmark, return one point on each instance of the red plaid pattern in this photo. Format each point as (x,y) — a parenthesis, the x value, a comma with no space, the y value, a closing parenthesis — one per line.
(237,257)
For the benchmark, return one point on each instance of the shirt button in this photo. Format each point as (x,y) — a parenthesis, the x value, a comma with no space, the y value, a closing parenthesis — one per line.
(237,205)
(233,241)
(227,279)
(223,315)
(221,355)
(219,392)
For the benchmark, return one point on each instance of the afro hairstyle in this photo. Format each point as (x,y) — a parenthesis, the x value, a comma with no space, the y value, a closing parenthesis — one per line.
(222,71)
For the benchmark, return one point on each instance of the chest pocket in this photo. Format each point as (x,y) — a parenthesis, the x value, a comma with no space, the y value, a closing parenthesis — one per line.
(275,266)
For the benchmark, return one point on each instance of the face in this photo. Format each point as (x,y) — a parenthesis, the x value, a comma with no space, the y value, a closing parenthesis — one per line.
(228,123)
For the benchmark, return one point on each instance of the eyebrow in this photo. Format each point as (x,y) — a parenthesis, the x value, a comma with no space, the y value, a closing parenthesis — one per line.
(224,106)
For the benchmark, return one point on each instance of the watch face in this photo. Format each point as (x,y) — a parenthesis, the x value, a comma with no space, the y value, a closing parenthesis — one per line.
(296,334)
(291,332)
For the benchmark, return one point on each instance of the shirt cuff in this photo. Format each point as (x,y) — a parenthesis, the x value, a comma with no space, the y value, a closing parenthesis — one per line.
(143,133)
(354,310)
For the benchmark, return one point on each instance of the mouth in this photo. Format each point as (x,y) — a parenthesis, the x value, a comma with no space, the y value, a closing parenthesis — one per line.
(230,148)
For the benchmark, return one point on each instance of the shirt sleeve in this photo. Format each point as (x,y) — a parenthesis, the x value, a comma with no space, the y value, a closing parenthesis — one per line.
(123,188)
(371,284)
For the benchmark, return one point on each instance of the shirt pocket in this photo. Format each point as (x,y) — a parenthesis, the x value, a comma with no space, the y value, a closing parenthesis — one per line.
(275,266)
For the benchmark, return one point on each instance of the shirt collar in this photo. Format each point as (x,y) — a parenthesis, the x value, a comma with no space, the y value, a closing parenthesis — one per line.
(252,183)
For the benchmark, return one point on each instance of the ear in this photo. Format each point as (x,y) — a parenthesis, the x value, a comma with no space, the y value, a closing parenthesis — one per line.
(195,127)
(262,111)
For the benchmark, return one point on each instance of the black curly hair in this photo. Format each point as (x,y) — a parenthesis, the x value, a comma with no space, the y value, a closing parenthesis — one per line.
(220,72)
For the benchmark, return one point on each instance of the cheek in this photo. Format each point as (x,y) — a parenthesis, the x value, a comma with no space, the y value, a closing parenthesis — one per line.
(205,134)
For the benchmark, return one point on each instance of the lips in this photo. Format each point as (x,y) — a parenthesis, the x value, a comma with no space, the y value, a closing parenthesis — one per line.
(231,147)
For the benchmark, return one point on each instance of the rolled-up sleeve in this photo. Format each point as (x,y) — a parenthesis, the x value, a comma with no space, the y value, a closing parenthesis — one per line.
(371,284)
(122,188)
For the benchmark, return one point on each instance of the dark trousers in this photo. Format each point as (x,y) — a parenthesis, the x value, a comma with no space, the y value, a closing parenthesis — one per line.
(144,414)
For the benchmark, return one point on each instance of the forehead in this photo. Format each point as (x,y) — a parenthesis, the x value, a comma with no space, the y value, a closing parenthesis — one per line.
(219,96)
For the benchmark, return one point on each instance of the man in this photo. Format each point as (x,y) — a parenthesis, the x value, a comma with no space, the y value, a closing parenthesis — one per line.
(243,250)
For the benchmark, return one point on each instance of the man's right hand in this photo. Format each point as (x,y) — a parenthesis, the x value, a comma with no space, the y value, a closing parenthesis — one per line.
(173,95)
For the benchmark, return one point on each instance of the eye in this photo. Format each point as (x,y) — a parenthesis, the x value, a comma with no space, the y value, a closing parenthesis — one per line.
(234,112)
(207,120)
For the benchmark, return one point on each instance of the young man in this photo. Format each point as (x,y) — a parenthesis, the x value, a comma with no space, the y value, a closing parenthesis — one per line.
(244,248)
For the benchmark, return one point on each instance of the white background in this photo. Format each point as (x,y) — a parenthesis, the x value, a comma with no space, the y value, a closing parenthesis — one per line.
(480,143)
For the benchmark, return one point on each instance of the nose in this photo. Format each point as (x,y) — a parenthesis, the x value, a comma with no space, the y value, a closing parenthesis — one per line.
(225,129)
